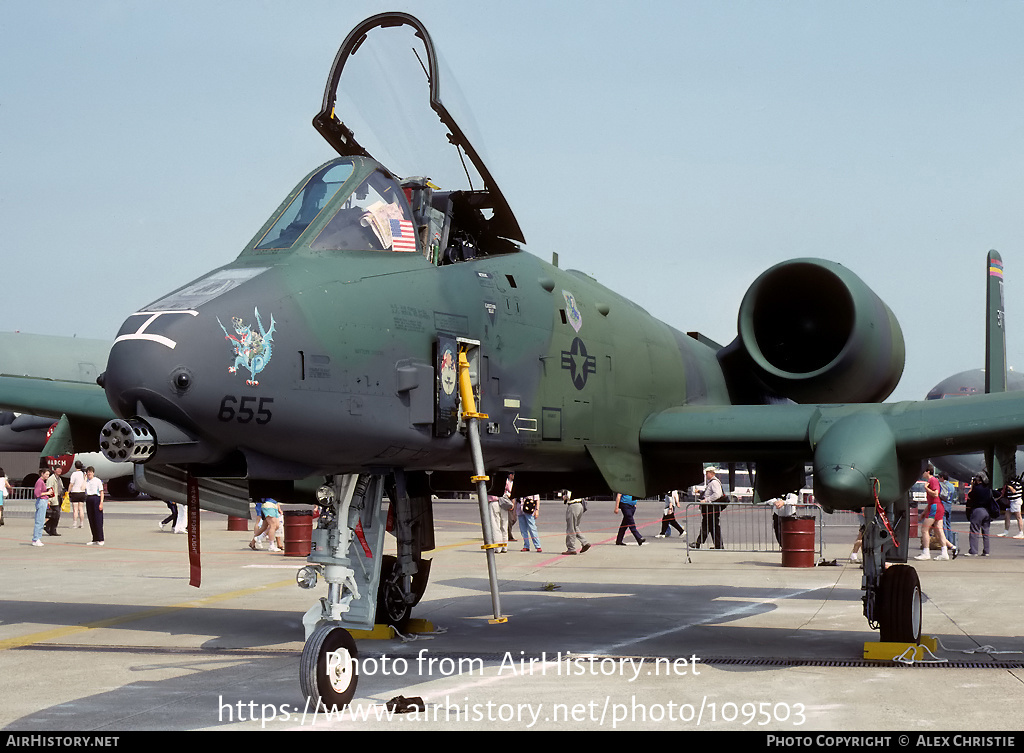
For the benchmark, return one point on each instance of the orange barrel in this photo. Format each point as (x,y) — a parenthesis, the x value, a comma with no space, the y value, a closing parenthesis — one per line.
(798,542)
(236,523)
(298,533)
(913,534)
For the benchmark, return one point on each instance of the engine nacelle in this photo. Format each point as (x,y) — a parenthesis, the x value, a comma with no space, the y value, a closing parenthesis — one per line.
(811,331)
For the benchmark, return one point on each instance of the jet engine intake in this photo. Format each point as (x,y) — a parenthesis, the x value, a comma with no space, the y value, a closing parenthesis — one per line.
(813,332)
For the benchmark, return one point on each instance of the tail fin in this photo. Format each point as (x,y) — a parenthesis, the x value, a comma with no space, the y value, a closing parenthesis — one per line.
(995,332)
(1000,459)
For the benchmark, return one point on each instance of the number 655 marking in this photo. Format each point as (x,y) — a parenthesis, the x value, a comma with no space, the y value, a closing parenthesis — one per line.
(245,413)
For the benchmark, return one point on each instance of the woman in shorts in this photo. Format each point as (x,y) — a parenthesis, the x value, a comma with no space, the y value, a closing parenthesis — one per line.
(272,514)
(933,514)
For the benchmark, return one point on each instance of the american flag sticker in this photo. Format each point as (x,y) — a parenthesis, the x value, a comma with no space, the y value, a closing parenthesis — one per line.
(402,238)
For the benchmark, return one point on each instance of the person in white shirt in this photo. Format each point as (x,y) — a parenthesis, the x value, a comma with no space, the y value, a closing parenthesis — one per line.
(711,508)
(76,491)
(5,491)
(181,523)
(94,505)
(782,508)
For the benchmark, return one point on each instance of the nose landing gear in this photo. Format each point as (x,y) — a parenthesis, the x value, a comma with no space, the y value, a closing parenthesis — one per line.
(346,551)
(364,586)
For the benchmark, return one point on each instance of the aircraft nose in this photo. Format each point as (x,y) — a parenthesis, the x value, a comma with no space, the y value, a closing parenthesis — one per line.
(149,382)
(144,373)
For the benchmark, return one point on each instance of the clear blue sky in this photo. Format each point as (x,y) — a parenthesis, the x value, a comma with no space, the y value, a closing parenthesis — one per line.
(144,143)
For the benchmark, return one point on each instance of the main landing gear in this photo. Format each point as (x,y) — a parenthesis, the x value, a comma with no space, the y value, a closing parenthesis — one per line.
(899,605)
(892,589)
(364,586)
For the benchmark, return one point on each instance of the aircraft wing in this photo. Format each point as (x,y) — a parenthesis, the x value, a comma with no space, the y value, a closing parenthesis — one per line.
(55,377)
(54,398)
(856,450)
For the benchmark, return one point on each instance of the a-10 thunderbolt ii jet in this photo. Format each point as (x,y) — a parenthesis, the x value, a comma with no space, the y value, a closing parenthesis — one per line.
(385,332)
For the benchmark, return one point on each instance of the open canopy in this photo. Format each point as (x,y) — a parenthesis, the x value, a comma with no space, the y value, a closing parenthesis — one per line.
(378,109)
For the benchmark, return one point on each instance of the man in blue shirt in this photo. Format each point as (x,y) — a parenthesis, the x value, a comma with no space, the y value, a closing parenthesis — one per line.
(627,505)
(948,497)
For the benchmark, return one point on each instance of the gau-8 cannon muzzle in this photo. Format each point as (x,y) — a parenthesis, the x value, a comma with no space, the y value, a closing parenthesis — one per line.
(127,441)
(139,440)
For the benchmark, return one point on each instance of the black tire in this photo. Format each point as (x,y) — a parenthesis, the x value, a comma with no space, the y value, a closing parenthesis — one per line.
(329,681)
(899,605)
(122,487)
(391,606)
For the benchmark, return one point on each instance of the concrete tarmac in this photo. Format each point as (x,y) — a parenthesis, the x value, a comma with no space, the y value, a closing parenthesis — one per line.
(113,639)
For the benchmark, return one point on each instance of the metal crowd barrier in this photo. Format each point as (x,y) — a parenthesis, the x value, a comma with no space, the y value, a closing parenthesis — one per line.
(748,527)
(21,503)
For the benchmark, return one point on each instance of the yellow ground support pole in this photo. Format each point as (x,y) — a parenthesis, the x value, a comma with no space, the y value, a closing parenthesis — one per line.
(480,479)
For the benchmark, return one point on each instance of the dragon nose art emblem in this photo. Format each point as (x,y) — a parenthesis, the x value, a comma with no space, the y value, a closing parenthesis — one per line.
(252,347)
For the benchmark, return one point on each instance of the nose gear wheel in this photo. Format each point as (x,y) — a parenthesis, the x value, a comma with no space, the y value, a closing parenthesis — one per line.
(328,669)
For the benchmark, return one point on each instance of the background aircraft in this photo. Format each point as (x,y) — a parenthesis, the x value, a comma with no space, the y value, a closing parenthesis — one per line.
(68,365)
(995,377)
(26,436)
(964,467)
(22,433)
(326,349)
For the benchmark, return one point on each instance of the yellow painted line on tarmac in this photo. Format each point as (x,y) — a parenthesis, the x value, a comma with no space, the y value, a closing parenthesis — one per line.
(475,524)
(457,545)
(62,632)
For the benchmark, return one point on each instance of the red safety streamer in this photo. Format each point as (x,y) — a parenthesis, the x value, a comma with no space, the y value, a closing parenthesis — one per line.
(881,512)
(195,567)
